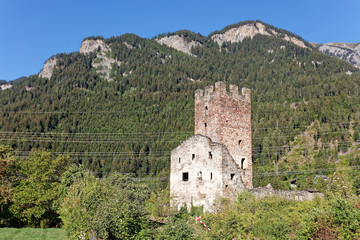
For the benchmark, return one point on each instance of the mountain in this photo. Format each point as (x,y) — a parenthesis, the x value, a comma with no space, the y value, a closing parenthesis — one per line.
(185,40)
(122,103)
(349,52)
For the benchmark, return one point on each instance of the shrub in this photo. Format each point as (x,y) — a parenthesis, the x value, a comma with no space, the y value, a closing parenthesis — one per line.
(110,208)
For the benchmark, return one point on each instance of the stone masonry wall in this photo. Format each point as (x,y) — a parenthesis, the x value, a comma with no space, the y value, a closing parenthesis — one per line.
(201,171)
(291,195)
(225,117)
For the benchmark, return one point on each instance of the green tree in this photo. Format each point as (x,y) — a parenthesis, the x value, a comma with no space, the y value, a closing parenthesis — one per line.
(36,196)
(6,161)
(110,208)
(7,181)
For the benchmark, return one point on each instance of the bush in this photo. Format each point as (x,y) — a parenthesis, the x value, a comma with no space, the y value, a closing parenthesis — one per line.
(110,208)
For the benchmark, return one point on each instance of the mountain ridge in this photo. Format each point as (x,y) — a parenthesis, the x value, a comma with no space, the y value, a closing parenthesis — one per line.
(349,52)
(186,40)
(134,98)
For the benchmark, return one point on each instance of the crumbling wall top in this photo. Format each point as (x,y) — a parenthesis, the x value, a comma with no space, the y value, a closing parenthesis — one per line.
(220,89)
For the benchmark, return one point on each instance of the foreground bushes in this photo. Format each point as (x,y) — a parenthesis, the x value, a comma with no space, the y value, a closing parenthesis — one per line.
(45,191)
(277,218)
(110,208)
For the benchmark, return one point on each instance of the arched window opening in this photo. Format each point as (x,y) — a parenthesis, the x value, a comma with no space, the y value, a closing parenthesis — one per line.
(242,163)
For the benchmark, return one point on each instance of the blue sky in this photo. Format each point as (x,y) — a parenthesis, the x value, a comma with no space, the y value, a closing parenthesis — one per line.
(32,31)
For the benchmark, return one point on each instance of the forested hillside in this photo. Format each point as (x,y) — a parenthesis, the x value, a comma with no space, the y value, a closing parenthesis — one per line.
(131,123)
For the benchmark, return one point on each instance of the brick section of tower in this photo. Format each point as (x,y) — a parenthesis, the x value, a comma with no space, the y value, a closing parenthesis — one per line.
(225,117)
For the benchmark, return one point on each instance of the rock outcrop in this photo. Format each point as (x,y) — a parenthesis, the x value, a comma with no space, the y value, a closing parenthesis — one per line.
(179,43)
(237,34)
(48,68)
(92,45)
(346,51)
(103,65)
(5,86)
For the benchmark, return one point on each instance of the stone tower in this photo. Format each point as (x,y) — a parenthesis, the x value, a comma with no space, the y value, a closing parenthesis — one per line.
(216,161)
(225,117)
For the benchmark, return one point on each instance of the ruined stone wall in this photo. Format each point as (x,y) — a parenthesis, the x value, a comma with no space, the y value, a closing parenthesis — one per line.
(232,176)
(291,195)
(225,117)
(198,175)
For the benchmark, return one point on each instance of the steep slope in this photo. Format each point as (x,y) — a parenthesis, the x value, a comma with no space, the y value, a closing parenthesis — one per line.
(185,40)
(237,32)
(182,41)
(130,124)
(346,51)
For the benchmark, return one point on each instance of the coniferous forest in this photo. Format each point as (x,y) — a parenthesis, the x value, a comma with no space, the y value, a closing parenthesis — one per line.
(63,135)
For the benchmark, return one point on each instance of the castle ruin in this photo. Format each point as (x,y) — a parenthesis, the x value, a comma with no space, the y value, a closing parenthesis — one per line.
(217,160)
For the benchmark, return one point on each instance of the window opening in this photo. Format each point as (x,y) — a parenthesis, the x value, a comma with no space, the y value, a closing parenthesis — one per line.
(226,186)
(206,108)
(193,156)
(205,124)
(185,176)
(179,160)
(242,163)
(232,175)
(239,142)
(210,155)
(211,176)
(200,175)
(227,120)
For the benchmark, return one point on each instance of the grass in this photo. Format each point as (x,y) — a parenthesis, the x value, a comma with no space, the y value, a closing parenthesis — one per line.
(32,234)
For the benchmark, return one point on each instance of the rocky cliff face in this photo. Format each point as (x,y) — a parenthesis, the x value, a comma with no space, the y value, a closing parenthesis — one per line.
(48,68)
(103,63)
(5,86)
(91,45)
(237,34)
(179,43)
(346,51)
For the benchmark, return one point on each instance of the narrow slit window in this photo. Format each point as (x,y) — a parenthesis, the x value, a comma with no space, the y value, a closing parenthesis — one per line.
(206,108)
(211,176)
(239,142)
(205,124)
(193,156)
(242,163)
(179,160)
(210,155)
(232,175)
(185,176)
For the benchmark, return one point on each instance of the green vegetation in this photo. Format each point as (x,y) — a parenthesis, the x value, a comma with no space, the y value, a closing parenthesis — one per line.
(276,218)
(120,206)
(32,234)
(306,122)
(148,108)
(113,207)
(38,188)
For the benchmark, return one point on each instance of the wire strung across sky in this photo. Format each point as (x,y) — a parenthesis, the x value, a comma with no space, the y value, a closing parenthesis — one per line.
(136,137)
(152,178)
(127,134)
